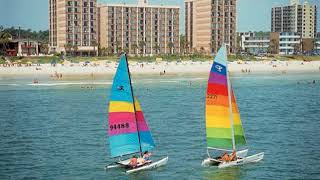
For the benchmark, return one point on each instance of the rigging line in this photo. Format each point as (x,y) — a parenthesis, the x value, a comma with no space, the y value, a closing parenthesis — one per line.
(134,106)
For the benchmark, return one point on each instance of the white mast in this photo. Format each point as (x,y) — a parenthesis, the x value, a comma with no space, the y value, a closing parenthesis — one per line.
(230,107)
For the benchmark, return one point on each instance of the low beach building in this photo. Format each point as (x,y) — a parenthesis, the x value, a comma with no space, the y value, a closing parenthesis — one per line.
(139,29)
(254,43)
(285,43)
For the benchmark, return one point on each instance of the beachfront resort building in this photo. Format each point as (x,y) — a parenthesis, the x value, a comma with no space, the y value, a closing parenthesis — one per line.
(317,42)
(73,26)
(285,43)
(209,24)
(139,29)
(298,18)
(254,43)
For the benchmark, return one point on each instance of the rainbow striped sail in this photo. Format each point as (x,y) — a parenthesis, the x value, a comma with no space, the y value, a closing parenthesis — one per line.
(221,109)
(128,131)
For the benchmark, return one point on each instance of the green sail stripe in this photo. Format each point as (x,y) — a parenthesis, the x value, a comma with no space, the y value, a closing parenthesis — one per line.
(238,130)
(222,143)
(240,140)
(219,133)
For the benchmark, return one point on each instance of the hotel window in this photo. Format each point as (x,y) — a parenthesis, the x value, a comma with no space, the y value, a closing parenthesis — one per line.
(75,3)
(84,10)
(69,10)
(91,4)
(85,4)
(91,10)
(69,3)
(75,9)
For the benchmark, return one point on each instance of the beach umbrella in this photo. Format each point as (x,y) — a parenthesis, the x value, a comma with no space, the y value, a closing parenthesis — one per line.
(87,62)
(19,61)
(29,62)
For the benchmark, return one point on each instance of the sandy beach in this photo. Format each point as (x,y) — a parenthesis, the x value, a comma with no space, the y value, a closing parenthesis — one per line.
(168,68)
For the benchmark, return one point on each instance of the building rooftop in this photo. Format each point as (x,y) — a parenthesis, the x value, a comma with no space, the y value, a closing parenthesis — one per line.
(136,5)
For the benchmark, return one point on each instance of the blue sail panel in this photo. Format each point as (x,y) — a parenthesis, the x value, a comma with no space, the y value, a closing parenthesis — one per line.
(122,125)
(124,144)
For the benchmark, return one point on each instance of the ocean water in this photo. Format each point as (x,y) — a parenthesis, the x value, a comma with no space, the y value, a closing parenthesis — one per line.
(58,129)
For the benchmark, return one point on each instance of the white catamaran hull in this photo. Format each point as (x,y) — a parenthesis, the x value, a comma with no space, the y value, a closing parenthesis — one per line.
(153,165)
(241,161)
(119,164)
(125,163)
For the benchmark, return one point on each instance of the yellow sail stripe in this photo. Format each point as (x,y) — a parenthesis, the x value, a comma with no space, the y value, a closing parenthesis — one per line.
(120,106)
(222,121)
(137,104)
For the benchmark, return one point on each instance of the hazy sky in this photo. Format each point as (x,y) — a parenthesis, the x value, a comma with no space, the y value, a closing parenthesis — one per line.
(253,15)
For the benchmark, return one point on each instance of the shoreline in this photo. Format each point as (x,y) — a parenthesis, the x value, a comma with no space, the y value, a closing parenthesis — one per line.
(103,68)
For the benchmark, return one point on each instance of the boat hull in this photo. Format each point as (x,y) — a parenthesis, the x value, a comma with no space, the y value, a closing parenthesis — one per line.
(241,161)
(153,165)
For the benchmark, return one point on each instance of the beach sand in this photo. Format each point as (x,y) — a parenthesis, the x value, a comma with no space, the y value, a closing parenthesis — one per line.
(168,68)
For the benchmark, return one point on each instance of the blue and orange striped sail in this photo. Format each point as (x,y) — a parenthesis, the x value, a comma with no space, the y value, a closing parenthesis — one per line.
(126,121)
(218,116)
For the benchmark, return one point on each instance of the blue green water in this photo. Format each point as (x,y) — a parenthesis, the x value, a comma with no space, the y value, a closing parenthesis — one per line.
(58,130)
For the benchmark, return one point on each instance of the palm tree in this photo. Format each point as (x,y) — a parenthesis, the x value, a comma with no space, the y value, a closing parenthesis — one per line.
(126,50)
(134,47)
(44,47)
(297,48)
(156,48)
(142,44)
(68,47)
(273,46)
(4,40)
(202,50)
(94,44)
(187,48)
(182,44)
(74,49)
(117,46)
(171,46)
(109,50)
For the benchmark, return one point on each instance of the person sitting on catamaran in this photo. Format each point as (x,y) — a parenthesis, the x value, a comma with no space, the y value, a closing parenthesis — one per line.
(233,156)
(146,156)
(133,162)
(224,157)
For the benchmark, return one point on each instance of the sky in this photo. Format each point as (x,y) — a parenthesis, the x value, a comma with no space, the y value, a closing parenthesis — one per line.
(253,15)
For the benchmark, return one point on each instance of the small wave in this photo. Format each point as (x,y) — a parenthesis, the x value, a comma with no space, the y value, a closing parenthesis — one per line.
(10,84)
(69,83)
(169,81)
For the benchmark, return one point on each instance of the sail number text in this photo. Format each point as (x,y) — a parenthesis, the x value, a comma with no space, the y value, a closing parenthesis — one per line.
(119,126)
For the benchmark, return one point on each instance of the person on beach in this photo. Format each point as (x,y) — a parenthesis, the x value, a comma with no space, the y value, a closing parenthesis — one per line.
(133,162)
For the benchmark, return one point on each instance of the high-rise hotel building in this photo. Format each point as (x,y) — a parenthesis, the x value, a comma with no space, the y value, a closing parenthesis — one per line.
(139,29)
(209,24)
(73,25)
(299,18)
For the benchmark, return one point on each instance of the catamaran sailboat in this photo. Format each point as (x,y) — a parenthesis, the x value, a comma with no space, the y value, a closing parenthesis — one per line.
(128,131)
(224,130)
